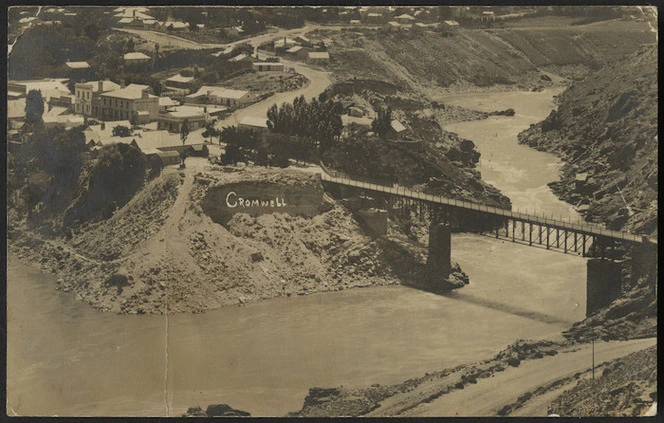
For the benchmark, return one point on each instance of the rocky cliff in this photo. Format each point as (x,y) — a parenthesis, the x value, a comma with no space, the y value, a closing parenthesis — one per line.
(605,129)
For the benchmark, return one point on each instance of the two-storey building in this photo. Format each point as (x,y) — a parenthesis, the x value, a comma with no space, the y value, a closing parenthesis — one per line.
(87,96)
(134,103)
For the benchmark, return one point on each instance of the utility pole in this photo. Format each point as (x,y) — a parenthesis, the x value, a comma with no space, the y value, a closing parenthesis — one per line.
(593,341)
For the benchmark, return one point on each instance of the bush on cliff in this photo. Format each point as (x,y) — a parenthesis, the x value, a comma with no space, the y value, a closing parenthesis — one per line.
(118,173)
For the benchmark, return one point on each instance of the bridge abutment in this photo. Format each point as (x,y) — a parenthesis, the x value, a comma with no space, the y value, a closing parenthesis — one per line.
(603,283)
(439,261)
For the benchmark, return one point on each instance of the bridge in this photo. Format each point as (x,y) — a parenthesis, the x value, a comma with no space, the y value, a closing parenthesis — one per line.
(604,276)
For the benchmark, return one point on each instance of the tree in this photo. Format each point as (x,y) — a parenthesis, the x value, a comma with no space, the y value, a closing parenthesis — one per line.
(383,122)
(210,131)
(92,31)
(34,108)
(121,131)
(156,58)
(184,133)
(156,88)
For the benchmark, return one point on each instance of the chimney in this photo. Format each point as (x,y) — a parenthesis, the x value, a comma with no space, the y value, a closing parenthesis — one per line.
(103,126)
(145,94)
(133,14)
(101,86)
(122,84)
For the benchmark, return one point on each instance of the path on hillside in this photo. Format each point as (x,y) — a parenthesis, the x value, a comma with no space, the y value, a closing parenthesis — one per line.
(490,394)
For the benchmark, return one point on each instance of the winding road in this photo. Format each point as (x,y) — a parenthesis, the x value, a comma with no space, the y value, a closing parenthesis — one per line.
(487,396)
(319,79)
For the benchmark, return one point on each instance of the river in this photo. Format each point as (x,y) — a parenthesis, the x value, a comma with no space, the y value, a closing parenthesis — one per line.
(65,358)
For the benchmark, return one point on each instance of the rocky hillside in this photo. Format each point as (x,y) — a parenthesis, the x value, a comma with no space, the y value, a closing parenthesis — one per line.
(605,129)
(162,252)
(468,58)
(626,388)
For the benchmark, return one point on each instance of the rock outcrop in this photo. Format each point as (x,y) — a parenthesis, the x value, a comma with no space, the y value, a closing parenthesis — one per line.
(605,129)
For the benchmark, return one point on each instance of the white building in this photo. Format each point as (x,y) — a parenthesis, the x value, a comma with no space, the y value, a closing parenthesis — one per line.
(220,95)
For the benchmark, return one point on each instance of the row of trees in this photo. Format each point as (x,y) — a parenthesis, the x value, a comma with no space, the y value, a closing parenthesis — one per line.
(316,119)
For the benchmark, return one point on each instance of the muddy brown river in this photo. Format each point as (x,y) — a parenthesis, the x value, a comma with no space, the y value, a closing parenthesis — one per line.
(65,358)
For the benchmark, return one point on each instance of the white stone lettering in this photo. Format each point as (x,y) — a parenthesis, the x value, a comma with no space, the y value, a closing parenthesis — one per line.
(228,202)
(233,200)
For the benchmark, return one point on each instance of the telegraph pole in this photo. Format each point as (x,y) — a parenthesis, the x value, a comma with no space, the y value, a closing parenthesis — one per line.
(593,342)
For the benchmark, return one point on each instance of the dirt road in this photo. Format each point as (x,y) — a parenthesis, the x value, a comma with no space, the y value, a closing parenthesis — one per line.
(174,41)
(489,395)
(319,80)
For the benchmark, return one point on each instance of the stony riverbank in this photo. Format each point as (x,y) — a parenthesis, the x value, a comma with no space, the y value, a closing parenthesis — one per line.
(177,259)
(626,387)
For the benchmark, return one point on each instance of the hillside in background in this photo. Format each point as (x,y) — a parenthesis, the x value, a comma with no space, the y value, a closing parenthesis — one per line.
(483,57)
(605,130)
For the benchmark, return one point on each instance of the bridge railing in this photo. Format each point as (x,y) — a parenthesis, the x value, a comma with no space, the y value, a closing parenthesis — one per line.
(526,217)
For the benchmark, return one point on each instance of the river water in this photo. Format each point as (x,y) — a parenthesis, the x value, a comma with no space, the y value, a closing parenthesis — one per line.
(65,358)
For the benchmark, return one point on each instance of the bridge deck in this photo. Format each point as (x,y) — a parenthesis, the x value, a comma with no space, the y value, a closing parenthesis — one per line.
(579,227)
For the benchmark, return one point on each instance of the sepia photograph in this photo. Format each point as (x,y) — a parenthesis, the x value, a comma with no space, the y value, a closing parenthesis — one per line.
(331,210)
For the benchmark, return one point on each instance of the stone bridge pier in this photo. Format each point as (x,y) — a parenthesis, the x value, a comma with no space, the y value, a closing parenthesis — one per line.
(603,283)
(439,260)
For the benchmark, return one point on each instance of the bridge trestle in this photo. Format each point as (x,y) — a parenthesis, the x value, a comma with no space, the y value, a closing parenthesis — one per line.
(551,238)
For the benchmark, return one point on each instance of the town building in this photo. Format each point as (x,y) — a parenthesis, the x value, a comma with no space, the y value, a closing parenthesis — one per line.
(298,52)
(238,58)
(302,40)
(392,26)
(173,118)
(220,95)
(134,103)
(174,25)
(253,122)
(319,57)
(136,58)
(77,65)
(405,19)
(164,158)
(397,129)
(79,71)
(179,82)
(102,134)
(62,121)
(87,96)
(373,18)
(284,44)
(166,103)
(48,88)
(164,141)
(268,67)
